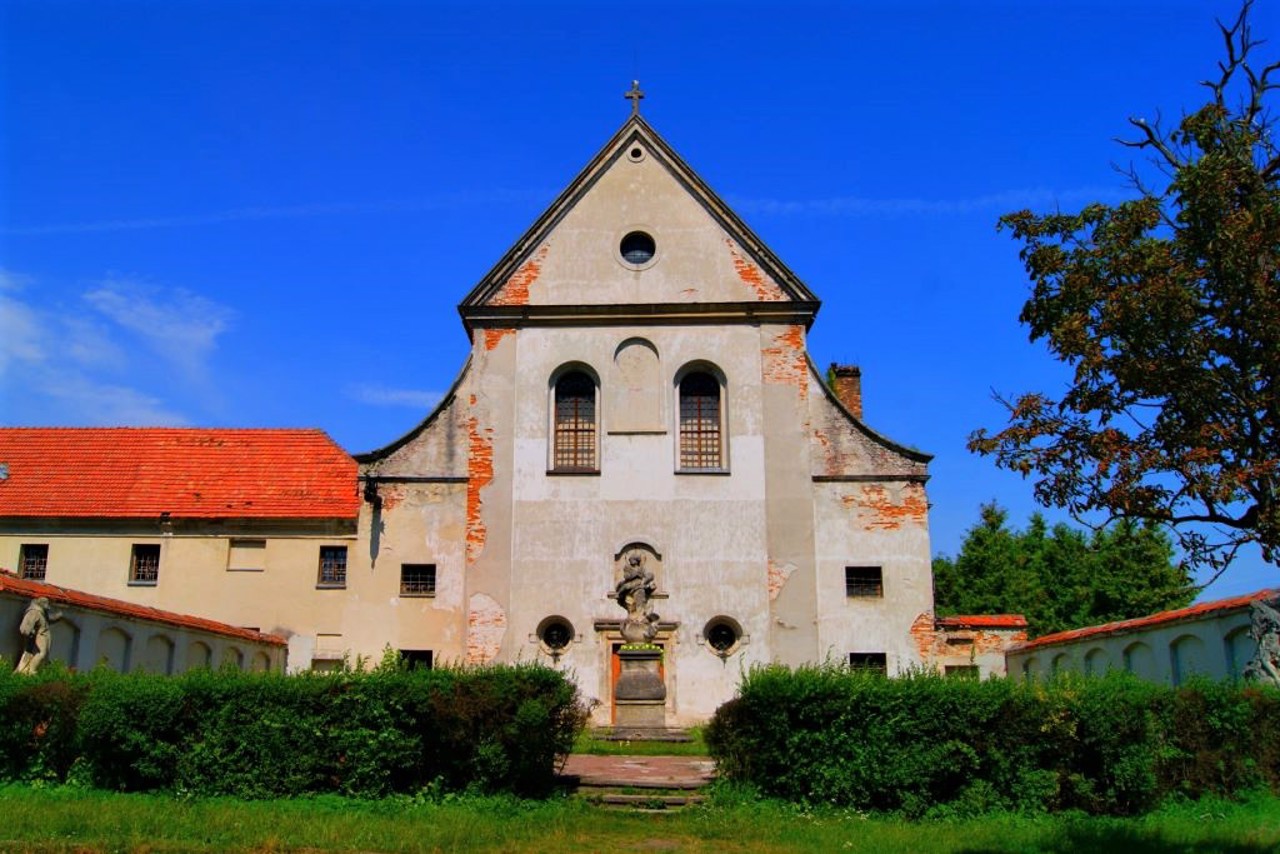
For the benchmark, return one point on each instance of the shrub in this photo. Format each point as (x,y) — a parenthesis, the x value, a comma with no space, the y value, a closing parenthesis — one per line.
(926,744)
(496,729)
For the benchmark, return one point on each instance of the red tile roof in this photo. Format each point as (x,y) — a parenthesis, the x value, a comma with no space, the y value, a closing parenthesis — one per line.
(1204,609)
(10,583)
(141,472)
(982,621)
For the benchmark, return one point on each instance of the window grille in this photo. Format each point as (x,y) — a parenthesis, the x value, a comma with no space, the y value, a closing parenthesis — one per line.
(869,662)
(33,560)
(417,579)
(333,566)
(863,581)
(575,425)
(144,567)
(700,422)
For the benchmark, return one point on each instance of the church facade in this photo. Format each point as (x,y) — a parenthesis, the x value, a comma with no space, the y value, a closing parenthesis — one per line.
(638,388)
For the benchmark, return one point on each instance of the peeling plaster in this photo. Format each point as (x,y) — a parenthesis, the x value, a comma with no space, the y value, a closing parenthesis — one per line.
(885,508)
(752,276)
(778,575)
(515,291)
(486,627)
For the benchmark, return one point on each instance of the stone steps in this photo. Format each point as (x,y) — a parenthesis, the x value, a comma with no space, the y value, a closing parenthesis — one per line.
(638,783)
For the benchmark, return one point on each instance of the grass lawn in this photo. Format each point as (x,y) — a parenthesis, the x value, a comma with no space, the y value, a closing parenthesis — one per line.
(76,820)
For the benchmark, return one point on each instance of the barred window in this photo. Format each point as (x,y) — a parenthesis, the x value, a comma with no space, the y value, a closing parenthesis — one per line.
(869,662)
(33,560)
(863,581)
(417,579)
(700,446)
(575,423)
(333,566)
(144,566)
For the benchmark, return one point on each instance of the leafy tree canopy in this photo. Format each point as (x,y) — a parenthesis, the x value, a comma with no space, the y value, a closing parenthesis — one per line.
(1061,577)
(1167,307)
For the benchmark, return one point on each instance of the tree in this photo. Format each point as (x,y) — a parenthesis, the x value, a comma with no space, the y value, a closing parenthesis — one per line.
(1060,578)
(1167,307)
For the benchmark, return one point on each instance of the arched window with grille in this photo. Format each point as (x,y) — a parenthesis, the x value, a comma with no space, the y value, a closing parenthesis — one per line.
(701,439)
(574,443)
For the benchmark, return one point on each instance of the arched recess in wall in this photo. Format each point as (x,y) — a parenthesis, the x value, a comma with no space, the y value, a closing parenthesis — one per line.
(261,663)
(232,656)
(1096,663)
(113,649)
(1139,661)
(1238,649)
(573,427)
(199,655)
(1187,657)
(634,398)
(64,641)
(1061,664)
(157,655)
(701,410)
(1029,668)
(650,560)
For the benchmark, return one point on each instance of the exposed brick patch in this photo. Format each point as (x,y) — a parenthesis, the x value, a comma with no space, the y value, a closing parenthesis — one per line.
(778,575)
(924,636)
(493,337)
(486,627)
(888,508)
(784,359)
(479,475)
(752,276)
(391,495)
(939,644)
(515,291)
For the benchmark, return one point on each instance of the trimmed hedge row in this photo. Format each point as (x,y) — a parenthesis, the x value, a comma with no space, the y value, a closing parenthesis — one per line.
(925,744)
(258,736)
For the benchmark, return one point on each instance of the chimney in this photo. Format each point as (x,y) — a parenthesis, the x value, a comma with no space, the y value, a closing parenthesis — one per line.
(846,382)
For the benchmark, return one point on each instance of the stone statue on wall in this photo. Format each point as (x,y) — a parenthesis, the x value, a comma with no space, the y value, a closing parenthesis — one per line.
(1264,628)
(34,629)
(634,593)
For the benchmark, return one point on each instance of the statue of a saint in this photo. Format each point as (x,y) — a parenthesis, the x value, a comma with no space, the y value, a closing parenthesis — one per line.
(34,629)
(633,593)
(1264,628)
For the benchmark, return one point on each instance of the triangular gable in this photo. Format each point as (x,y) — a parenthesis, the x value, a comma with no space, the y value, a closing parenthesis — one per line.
(756,265)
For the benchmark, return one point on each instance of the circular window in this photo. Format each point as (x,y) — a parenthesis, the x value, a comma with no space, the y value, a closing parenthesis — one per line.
(637,248)
(555,633)
(723,635)
(635,154)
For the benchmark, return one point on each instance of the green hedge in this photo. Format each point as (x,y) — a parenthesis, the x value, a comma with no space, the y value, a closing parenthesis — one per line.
(927,744)
(259,735)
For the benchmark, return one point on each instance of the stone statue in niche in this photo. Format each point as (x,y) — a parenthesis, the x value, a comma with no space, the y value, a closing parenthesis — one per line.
(34,629)
(1264,628)
(634,593)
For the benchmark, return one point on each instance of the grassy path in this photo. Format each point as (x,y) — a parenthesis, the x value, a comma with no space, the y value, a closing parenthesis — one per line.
(71,820)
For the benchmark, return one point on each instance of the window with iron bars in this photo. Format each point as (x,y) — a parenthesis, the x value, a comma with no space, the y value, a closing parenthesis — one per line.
(575,424)
(869,662)
(700,446)
(333,566)
(144,566)
(417,579)
(863,581)
(33,560)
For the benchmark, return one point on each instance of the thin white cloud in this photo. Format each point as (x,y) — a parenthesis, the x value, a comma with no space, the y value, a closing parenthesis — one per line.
(11,281)
(444,201)
(376,395)
(20,335)
(993,203)
(180,326)
(109,405)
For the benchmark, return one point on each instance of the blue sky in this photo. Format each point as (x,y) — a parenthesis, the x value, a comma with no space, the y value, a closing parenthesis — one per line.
(264,214)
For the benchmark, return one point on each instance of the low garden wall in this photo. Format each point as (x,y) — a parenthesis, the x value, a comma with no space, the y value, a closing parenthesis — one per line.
(268,735)
(929,745)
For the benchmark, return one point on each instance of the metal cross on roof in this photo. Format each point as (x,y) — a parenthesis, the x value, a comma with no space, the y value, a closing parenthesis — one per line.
(634,97)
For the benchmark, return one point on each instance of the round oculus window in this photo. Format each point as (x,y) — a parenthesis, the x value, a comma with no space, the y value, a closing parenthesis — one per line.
(556,634)
(637,248)
(722,635)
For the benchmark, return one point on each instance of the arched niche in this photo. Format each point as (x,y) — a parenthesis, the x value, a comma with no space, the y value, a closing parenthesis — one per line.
(649,556)
(157,655)
(260,663)
(1096,662)
(199,655)
(64,642)
(1238,649)
(634,394)
(1061,664)
(1139,661)
(1187,657)
(113,649)
(232,657)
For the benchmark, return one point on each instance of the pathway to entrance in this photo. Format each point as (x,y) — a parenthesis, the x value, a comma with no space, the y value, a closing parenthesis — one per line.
(641,772)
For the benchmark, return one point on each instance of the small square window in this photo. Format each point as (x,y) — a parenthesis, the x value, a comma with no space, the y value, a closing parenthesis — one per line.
(417,579)
(961,671)
(416,659)
(333,566)
(33,561)
(863,581)
(247,555)
(869,662)
(144,567)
